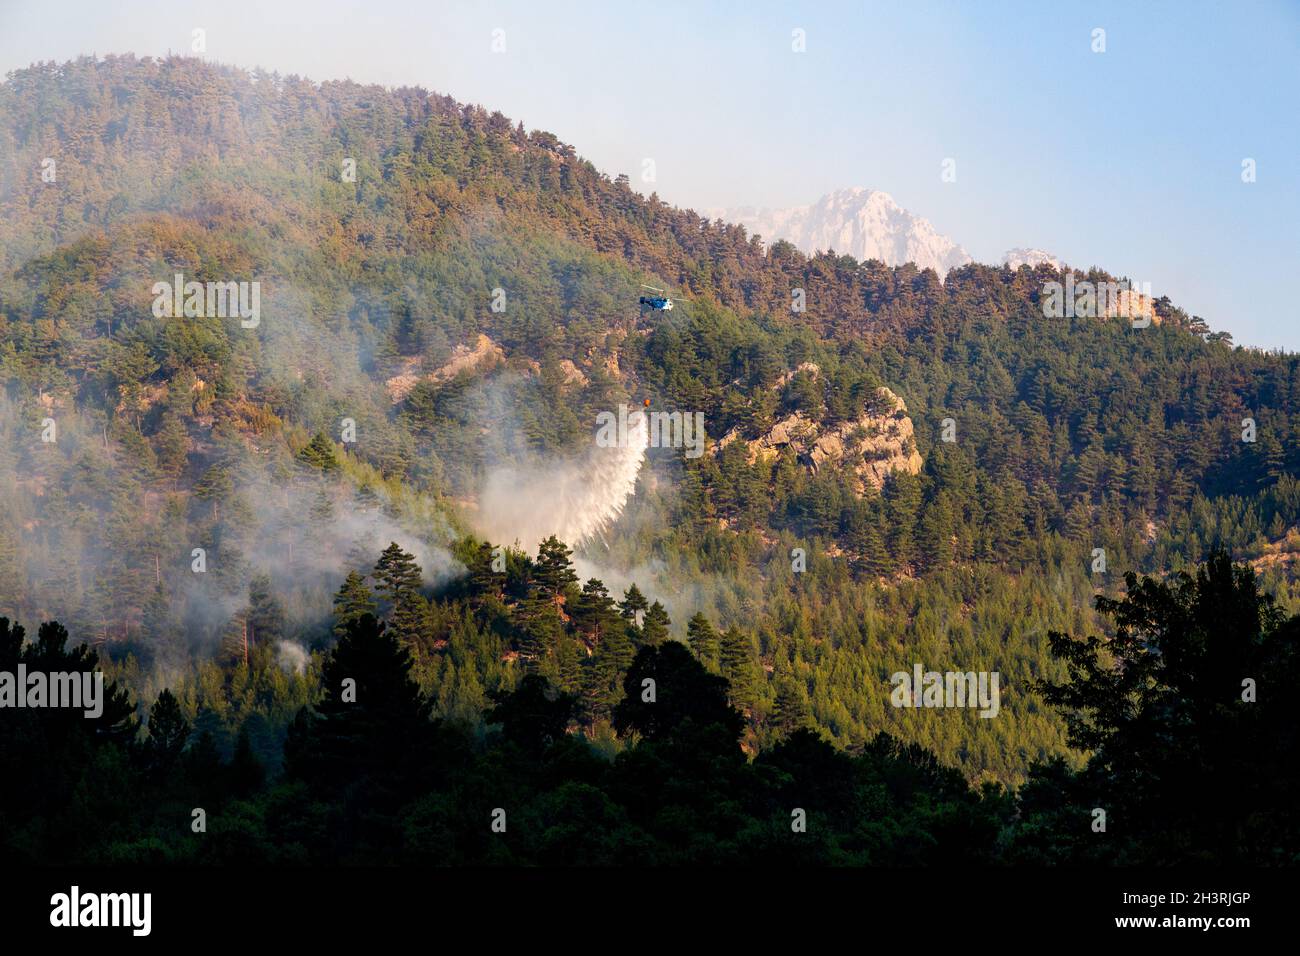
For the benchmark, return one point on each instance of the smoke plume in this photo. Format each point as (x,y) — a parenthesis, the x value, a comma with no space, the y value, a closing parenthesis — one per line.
(577,501)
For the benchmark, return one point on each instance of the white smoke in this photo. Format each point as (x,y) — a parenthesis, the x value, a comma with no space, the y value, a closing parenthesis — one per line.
(574,500)
(291,657)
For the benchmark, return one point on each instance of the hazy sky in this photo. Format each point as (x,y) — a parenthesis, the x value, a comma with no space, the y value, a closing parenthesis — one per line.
(1129,159)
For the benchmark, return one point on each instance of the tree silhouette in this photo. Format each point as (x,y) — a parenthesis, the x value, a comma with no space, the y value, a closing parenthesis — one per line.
(169,731)
(684,694)
(398,580)
(1186,713)
(533,716)
(371,726)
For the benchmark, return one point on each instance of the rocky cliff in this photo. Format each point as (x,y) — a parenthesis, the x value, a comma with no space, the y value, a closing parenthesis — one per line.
(877,443)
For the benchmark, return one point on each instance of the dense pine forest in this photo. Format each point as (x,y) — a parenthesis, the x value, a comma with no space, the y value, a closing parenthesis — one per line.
(233,520)
(1177,775)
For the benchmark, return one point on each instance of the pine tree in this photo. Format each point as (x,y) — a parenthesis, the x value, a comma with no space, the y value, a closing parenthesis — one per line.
(540,618)
(1273,459)
(161,630)
(902,502)
(353,601)
(398,580)
(553,572)
(322,510)
(618,646)
(594,613)
(484,582)
(12,579)
(633,604)
(597,680)
(686,695)
(790,711)
(236,642)
(372,723)
(320,453)
(265,614)
(703,640)
(168,733)
(738,667)
(172,442)
(654,628)
(936,530)
(215,486)
(1079,523)
(569,655)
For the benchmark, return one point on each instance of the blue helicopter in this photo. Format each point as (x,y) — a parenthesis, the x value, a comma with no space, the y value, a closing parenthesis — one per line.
(660,302)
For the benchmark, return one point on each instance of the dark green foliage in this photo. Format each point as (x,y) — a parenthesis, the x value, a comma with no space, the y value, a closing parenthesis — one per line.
(353,601)
(67,777)
(1185,766)
(703,640)
(790,712)
(486,583)
(738,668)
(553,573)
(266,619)
(533,716)
(684,696)
(370,779)
(398,579)
(371,718)
(633,604)
(320,453)
(654,628)
(169,732)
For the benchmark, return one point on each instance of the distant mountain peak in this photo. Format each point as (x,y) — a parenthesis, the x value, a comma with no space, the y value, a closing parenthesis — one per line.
(857,221)
(1015,258)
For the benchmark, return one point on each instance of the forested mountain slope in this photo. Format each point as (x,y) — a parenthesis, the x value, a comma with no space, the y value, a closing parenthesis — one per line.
(174,433)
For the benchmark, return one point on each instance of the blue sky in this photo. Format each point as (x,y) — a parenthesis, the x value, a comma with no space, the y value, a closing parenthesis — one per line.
(1128,159)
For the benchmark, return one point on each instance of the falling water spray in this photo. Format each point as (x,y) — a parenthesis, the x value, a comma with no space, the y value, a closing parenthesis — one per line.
(576,500)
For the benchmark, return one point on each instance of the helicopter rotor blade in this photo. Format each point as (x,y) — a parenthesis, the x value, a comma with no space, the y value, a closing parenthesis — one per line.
(672,295)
